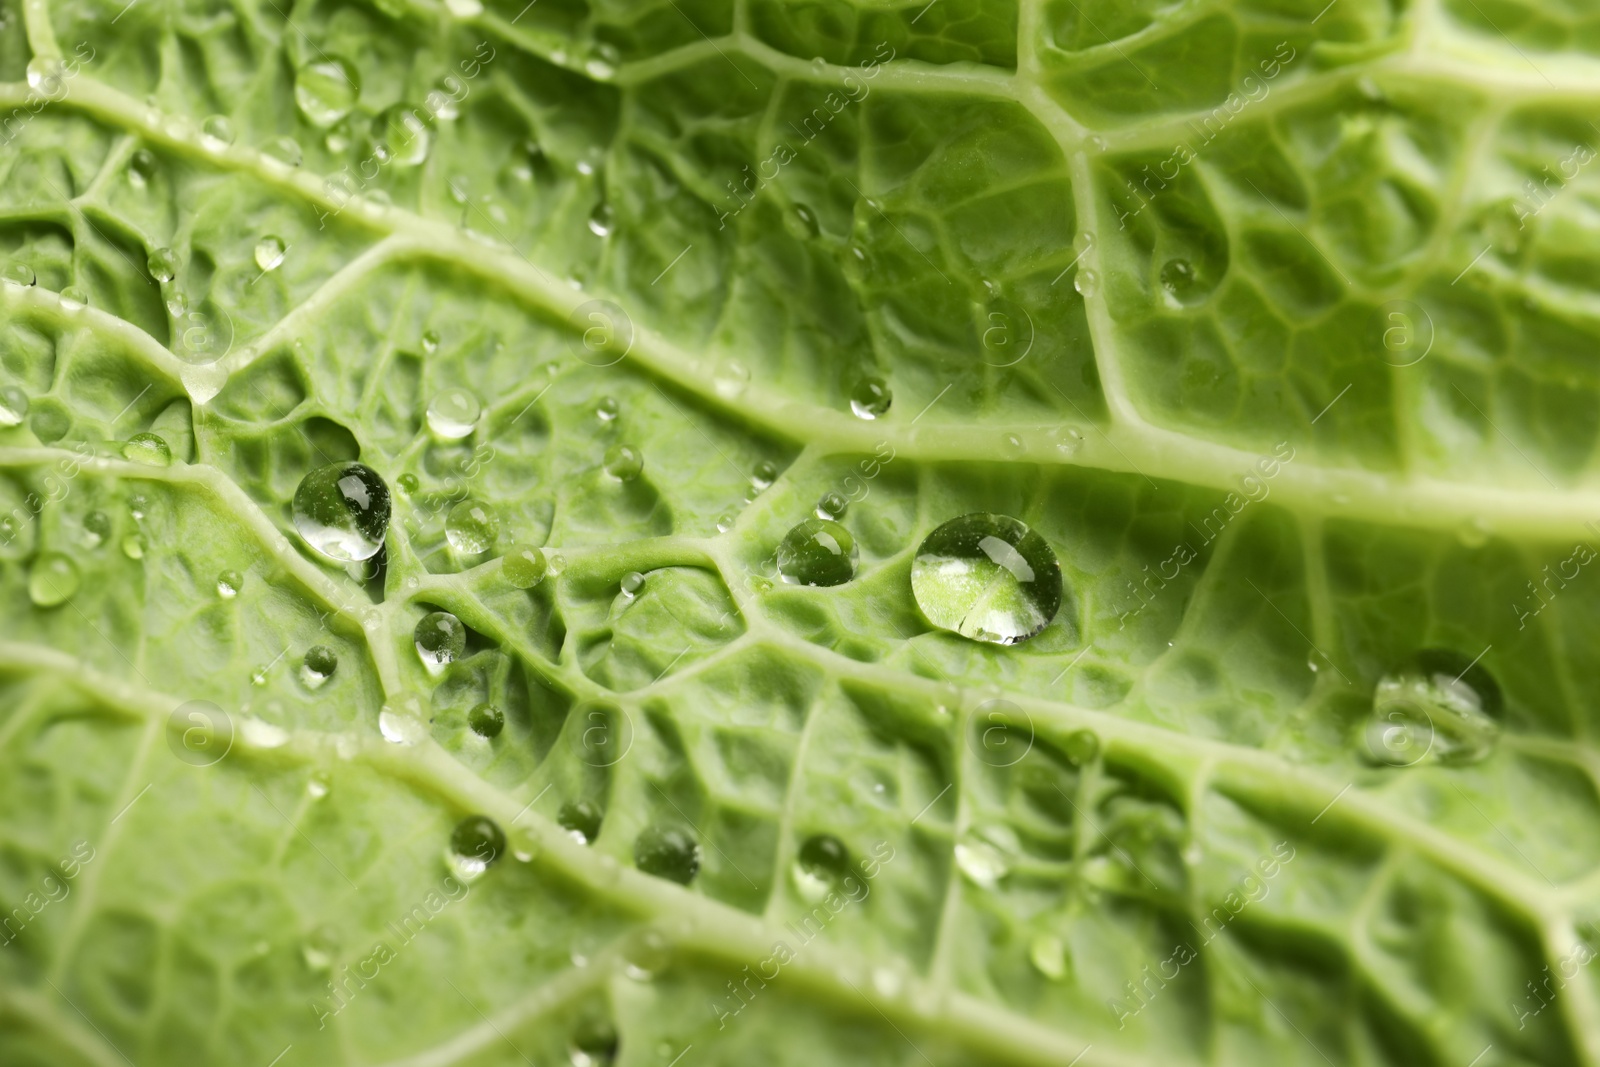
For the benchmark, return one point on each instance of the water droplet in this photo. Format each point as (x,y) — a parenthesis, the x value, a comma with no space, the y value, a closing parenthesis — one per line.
(342,511)
(987,577)
(1068,440)
(52,580)
(96,528)
(1178,282)
(982,863)
(258,733)
(623,462)
(229,583)
(632,584)
(486,720)
(764,475)
(318,784)
(602,65)
(73,298)
(1049,956)
(476,842)
(141,168)
(318,666)
(46,75)
(1012,443)
(217,130)
(133,546)
(409,483)
(403,131)
(807,220)
(401,727)
(818,65)
(731,379)
(870,399)
(453,414)
(163,264)
(147,448)
(607,409)
(269,253)
(594,1045)
(1098,143)
(430,341)
(1441,706)
(601,220)
(440,639)
(821,864)
(283,150)
(667,852)
(471,527)
(18,275)
(524,566)
(1082,746)
(13,406)
(724,522)
(326,89)
(818,552)
(581,819)
(832,506)
(1086,282)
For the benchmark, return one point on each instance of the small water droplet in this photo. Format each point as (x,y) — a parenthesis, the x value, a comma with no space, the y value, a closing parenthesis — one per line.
(283,150)
(402,130)
(818,552)
(318,784)
(73,299)
(486,720)
(820,865)
(163,264)
(52,580)
(13,406)
(607,409)
(141,168)
(981,862)
(147,448)
(1082,746)
(440,639)
(133,546)
(832,506)
(1068,440)
(1049,956)
(1086,282)
(326,89)
(269,253)
(401,727)
(594,1045)
(217,131)
(807,220)
(765,473)
(46,74)
(1012,443)
(601,220)
(667,852)
(318,666)
(342,511)
(1177,281)
(724,522)
(623,462)
(632,584)
(581,819)
(471,527)
(18,275)
(476,842)
(818,65)
(96,528)
(524,566)
(229,583)
(870,399)
(731,379)
(409,483)
(430,341)
(987,577)
(1440,706)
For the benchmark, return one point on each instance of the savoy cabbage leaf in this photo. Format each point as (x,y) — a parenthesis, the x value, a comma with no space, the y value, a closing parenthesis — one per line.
(1243,722)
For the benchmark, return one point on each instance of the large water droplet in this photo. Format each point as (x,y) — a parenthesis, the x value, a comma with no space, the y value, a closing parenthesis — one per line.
(163,264)
(403,131)
(269,253)
(667,852)
(471,527)
(623,462)
(581,819)
(52,580)
(453,414)
(818,552)
(342,510)
(229,583)
(632,584)
(318,666)
(871,397)
(1440,707)
(476,842)
(987,577)
(149,449)
(486,720)
(326,89)
(440,640)
(524,566)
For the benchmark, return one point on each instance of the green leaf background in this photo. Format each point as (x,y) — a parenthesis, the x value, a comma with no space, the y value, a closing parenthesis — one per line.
(1117,260)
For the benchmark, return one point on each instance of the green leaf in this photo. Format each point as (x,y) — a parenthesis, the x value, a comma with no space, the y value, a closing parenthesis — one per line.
(1273,321)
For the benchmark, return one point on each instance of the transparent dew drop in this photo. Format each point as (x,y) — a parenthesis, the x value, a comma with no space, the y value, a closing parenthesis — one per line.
(318,666)
(602,64)
(668,852)
(133,546)
(476,842)
(149,449)
(342,511)
(318,785)
(724,522)
(440,639)
(326,89)
(1440,706)
(807,220)
(73,299)
(1086,282)
(607,409)
(594,1044)
(1082,746)
(623,462)
(45,75)
(430,341)
(96,528)
(818,65)
(764,475)
(1048,956)
(13,406)
(53,580)
(602,220)
(163,264)
(820,865)
(471,527)
(581,819)
(832,506)
(981,862)
(987,577)
(141,168)
(229,583)
(486,720)
(1068,440)
(453,415)
(818,552)
(731,379)
(870,399)
(217,130)
(1178,281)
(269,253)
(632,584)
(403,130)
(409,483)
(524,566)
(401,727)
(1012,444)
(18,275)
(284,150)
